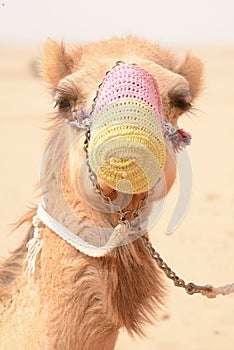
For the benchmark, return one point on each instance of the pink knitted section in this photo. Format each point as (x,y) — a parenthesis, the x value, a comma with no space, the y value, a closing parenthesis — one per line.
(129,81)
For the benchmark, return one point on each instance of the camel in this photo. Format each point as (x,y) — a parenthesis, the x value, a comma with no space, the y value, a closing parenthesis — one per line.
(55,295)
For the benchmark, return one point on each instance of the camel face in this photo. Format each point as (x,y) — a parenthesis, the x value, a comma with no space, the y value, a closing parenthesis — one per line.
(122,161)
(128,156)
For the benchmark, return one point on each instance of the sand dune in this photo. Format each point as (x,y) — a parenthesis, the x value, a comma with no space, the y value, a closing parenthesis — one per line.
(201,249)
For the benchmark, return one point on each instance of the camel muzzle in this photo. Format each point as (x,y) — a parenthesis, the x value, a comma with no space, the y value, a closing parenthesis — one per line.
(127,148)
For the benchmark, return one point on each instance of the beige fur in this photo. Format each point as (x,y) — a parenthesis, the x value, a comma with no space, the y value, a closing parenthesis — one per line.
(75,301)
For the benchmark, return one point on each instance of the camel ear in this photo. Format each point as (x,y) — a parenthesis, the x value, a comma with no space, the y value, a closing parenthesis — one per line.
(192,69)
(56,62)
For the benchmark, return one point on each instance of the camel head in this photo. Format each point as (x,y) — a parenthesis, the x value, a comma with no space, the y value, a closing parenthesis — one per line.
(129,94)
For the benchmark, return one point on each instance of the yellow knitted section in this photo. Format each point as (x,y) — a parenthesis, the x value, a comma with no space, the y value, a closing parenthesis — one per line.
(128,158)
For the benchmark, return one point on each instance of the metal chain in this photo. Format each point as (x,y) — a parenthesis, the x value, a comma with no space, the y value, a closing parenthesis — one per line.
(93,177)
(190,288)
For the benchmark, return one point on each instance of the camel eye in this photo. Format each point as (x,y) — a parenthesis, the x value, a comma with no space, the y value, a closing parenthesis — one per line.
(180,98)
(63,104)
(182,104)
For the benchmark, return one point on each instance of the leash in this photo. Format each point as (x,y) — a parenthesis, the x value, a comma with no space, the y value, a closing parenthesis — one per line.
(191,288)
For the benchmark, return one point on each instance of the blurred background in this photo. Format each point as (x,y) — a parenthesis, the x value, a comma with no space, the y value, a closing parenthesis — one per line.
(201,249)
(170,22)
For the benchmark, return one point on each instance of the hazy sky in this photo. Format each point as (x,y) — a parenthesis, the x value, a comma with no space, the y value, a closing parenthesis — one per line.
(167,22)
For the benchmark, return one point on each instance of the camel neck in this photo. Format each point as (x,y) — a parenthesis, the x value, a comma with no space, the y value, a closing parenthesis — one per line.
(69,290)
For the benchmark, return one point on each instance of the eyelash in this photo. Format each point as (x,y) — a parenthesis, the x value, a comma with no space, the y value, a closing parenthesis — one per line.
(63,104)
(182,105)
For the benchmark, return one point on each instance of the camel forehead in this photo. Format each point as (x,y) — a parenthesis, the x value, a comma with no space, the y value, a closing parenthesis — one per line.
(97,58)
(125,47)
(92,70)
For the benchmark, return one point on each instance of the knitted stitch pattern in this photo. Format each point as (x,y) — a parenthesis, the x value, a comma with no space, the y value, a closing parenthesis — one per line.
(126,148)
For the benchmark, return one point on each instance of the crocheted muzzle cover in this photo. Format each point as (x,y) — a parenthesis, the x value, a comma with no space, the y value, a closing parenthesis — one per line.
(127,149)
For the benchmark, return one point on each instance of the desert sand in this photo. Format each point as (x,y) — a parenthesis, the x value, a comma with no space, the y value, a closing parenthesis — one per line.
(199,250)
